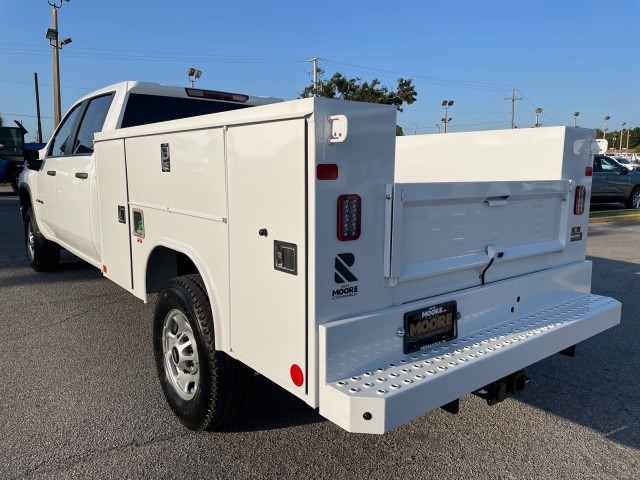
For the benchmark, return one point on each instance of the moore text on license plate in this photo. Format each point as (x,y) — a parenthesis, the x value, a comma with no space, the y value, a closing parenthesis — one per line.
(429,325)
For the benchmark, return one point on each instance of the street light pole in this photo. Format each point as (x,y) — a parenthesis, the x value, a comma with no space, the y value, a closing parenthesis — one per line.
(622,134)
(52,35)
(538,112)
(604,132)
(56,70)
(575,118)
(628,135)
(446,104)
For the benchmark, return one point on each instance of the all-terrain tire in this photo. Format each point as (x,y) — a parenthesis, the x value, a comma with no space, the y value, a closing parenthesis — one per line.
(43,254)
(205,388)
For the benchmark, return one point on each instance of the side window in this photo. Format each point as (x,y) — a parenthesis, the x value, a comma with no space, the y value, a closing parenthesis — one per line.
(596,165)
(608,167)
(59,146)
(92,122)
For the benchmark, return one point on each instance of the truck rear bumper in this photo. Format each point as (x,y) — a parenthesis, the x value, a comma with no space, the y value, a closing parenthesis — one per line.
(408,386)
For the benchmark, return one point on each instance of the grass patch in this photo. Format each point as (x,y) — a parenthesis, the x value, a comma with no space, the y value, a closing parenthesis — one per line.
(613,213)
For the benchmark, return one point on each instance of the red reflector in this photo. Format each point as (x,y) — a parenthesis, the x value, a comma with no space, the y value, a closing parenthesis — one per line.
(327,171)
(581,195)
(213,95)
(588,172)
(349,214)
(296,375)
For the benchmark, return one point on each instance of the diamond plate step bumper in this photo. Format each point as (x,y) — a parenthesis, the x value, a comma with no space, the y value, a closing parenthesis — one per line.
(398,391)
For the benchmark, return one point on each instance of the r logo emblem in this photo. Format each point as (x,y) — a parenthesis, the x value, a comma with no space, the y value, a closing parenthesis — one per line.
(342,273)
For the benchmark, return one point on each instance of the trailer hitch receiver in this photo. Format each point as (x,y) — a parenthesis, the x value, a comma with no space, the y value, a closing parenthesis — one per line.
(504,388)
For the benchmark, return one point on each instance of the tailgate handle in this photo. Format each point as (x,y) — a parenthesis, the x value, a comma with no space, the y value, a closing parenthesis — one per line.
(82,175)
(51,173)
(497,201)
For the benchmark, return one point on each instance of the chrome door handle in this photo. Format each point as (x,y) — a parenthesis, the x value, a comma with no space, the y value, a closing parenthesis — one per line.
(51,173)
(82,175)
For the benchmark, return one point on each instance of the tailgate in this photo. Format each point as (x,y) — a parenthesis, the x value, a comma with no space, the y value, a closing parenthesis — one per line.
(481,231)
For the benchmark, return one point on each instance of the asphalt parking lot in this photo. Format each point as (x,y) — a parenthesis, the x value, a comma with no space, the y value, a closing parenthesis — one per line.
(80,398)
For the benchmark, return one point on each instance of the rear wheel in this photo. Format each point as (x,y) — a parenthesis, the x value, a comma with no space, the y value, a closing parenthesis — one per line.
(205,388)
(43,254)
(634,199)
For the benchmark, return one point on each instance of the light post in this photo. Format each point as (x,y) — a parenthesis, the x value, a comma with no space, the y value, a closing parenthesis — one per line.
(604,132)
(622,134)
(628,135)
(52,36)
(614,144)
(193,75)
(446,104)
(575,118)
(538,112)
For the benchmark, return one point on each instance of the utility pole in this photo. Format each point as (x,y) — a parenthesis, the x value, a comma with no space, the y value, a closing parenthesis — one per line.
(513,105)
(39,132)
(314,60)
(621,134)
(628,135)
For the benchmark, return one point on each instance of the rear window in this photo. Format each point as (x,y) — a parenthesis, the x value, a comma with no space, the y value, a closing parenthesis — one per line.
(143,109)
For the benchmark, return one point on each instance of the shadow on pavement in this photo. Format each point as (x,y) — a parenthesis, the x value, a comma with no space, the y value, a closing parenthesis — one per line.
(598,388)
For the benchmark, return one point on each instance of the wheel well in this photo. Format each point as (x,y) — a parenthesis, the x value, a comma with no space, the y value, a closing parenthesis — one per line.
(25,201)
(165,264)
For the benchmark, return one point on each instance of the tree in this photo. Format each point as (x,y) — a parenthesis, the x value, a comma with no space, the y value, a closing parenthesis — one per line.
(1,120)
(339,86)
(634,138)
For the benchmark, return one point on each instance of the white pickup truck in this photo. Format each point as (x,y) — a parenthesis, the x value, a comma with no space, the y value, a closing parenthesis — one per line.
(369,275)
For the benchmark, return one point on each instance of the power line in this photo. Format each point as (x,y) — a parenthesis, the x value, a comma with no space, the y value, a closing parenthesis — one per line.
(448,82)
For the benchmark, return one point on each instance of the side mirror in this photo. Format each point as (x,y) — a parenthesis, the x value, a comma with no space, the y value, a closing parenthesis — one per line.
(31,160)
(2,146)
(625,170)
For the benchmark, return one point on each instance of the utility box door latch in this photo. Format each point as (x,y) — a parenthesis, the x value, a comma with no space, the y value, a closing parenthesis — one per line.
(339,128)
(165,158)
(285,257)
(122,215)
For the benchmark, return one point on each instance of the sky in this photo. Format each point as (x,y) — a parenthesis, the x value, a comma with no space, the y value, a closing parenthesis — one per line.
(561,55)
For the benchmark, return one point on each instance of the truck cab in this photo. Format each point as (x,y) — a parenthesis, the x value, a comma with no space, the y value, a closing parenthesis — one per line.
(61,188)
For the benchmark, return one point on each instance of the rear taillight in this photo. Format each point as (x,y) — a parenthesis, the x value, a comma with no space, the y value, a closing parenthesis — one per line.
(349,216)
(581,195)
(588,172)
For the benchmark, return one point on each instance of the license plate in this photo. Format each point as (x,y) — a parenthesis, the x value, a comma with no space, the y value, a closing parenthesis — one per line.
(429,325)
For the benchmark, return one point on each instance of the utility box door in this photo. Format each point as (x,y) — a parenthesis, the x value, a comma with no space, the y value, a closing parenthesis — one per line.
(267,230)
(115,216)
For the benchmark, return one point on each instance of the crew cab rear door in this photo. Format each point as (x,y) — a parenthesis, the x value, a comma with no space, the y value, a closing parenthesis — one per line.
(608,179)
(71,163)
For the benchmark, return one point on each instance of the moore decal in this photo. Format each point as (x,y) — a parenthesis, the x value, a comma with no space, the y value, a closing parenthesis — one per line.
(344,291)
(433,311)
(434,325)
